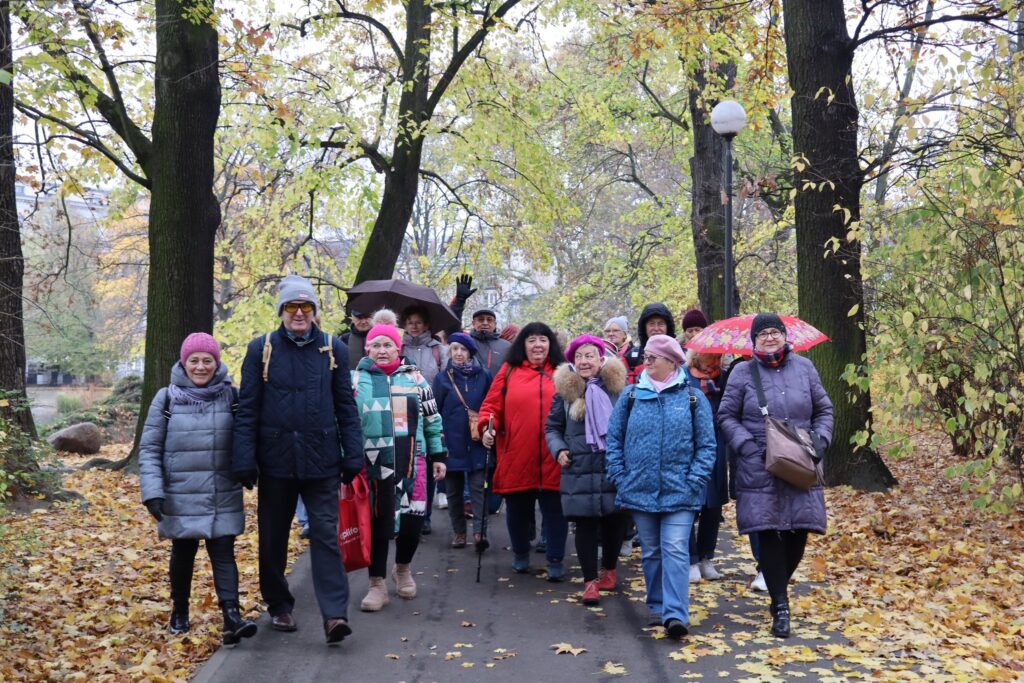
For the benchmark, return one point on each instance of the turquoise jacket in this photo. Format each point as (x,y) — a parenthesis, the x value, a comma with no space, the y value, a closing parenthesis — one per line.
(651,457)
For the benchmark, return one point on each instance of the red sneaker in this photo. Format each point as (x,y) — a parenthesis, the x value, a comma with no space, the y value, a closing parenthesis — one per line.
(607,579)
(591,594)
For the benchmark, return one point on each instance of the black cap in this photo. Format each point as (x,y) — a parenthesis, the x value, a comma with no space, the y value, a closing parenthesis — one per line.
(762,321)
(358,313)
(484,311)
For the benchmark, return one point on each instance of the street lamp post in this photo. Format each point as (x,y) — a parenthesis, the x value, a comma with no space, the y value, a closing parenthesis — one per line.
(728,119)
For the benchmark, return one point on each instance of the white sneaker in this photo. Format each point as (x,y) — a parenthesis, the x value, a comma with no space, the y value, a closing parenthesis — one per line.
(442,501)
(758,583)
(708,571)
(694,573)
(627,549)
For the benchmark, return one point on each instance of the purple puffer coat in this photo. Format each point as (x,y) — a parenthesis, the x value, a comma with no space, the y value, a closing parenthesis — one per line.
(793,390)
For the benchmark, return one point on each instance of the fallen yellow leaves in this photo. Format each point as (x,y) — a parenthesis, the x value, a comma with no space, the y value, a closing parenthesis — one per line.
(615,669)
(566,648)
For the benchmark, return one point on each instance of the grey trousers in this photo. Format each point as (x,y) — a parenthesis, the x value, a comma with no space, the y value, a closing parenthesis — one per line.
(456,482)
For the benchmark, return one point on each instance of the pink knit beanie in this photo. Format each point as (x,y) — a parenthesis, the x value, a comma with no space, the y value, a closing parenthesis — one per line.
(199,342)
(382,330)
(666,347)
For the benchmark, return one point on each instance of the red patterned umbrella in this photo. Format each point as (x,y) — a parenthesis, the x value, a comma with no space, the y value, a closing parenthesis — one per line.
(732,335)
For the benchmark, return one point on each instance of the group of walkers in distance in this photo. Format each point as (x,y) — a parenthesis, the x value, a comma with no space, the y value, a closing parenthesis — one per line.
(627,441)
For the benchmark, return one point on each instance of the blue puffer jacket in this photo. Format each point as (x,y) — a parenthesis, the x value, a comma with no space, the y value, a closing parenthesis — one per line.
(464,454)
(302,422)
(651,458)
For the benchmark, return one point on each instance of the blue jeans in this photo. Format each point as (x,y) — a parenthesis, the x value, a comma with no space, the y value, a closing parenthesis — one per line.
(520,512)
(300,513)
(665,556)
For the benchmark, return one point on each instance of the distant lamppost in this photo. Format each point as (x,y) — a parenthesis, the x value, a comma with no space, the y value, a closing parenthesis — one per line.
(728,119)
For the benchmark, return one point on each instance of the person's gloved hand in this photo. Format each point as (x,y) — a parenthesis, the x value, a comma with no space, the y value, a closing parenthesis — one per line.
(155,507)
(247,478)
(347,476)
(464,286)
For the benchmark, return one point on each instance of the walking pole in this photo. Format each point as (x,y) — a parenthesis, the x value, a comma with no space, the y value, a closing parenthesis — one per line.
(483,544)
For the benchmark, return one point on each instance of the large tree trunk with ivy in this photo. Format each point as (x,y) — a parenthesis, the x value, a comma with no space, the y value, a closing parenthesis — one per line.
(13,401)
(707,212)
(829,179)
(184,214)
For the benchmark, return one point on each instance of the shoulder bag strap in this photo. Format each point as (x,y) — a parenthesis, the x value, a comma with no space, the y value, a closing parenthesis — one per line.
(457,392)
(755,374)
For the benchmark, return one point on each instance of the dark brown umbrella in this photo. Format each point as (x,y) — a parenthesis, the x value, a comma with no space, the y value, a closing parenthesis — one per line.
(398,295)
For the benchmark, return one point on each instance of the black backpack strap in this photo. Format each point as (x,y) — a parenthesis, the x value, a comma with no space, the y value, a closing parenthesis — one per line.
(755,374)
(167,404)
(693,416)
(234,400)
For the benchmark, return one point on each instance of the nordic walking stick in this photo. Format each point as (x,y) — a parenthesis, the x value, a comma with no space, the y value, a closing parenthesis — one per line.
(483,543)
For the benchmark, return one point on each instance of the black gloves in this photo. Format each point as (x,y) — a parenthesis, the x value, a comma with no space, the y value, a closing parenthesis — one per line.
(155,507)
(464,286)
(247,478)
(347,476)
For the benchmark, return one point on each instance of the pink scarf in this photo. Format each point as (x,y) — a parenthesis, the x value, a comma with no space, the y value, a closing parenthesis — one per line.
(660,386)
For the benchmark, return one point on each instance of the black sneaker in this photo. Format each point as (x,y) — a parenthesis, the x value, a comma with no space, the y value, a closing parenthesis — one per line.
(675,629)
(179,623)
(425,530)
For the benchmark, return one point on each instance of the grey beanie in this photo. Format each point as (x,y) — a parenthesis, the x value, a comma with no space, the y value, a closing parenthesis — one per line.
(296,288)
(621,321)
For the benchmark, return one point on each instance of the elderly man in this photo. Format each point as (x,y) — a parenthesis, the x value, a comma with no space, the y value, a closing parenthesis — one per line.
(492,348)
(355,338)
(297,432)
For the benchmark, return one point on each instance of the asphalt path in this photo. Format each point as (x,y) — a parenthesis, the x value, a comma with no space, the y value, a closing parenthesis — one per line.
(511,627)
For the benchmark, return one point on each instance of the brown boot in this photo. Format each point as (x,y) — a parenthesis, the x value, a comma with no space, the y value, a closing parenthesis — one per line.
(404,583)
(376,597)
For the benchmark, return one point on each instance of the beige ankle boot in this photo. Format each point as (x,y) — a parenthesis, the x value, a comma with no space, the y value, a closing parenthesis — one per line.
(404,583)
(376,597)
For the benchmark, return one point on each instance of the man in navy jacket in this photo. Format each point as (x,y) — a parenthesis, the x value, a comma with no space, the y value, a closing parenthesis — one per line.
(297,432)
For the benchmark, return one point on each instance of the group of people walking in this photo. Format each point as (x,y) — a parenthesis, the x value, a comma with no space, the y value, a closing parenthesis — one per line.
(609,435)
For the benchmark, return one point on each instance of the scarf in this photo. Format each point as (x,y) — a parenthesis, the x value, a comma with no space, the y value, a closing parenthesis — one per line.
(772,360)
(599,410)
(201,396)
(660,386)
(707,380)
(389,368)
(465,369)
(484,336)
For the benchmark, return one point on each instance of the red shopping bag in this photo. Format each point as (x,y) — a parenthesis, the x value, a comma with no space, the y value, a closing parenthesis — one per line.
(354,523)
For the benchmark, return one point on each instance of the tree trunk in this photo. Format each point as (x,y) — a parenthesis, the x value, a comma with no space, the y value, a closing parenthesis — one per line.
(820,57)
(184,214)
(13,402)
(707,212)
(402,178)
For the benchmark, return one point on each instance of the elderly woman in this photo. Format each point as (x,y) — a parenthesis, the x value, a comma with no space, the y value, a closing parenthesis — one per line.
(186,481)
(577,434)
(616,337)
(704,373)
(460,389)
(402,432)
(518,402)
(780,514)
(661,448)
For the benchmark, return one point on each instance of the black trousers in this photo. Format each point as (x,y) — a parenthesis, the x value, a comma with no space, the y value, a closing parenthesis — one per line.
(608,532)
(275,510)
(781,552)
(225,571)
(382,530)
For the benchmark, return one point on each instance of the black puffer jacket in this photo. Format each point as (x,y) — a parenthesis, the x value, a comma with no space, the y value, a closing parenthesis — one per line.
(585,490)
(635,355)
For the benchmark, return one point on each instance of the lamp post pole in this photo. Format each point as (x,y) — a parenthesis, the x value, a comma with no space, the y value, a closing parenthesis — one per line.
(728,119)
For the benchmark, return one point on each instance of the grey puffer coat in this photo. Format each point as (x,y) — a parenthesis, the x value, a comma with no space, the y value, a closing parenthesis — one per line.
(186,460)
(586,492)
(793,391)
(426,353)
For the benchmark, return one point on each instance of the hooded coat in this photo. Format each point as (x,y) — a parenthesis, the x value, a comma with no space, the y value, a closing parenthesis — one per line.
(426,353)
(519,400)
(464,454)
(660,454)
(793,391)
(586,492)
(186,460)
(634,357)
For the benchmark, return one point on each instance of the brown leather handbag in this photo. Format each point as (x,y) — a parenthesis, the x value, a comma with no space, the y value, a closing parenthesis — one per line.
(794,454)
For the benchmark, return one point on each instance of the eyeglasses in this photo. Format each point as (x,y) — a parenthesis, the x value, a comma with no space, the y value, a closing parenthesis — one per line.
(769,334)
(650,357)
(305,307)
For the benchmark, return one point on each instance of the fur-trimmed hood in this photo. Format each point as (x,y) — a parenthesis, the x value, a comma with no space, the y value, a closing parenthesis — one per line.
(572,388)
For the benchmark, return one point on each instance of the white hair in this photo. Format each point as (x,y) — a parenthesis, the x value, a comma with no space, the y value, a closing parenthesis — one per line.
(385,316)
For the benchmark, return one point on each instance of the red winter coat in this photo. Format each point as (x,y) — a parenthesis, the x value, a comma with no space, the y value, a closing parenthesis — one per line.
(520,409)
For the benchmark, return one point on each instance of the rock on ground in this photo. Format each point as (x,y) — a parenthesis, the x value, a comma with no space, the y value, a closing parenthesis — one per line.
(84,437)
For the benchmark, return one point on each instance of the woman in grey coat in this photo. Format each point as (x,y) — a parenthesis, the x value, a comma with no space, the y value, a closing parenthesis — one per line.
(588,387)
(186,482)
(780,514)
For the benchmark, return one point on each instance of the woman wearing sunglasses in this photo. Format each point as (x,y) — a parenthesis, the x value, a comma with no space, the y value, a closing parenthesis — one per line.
(661,448)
